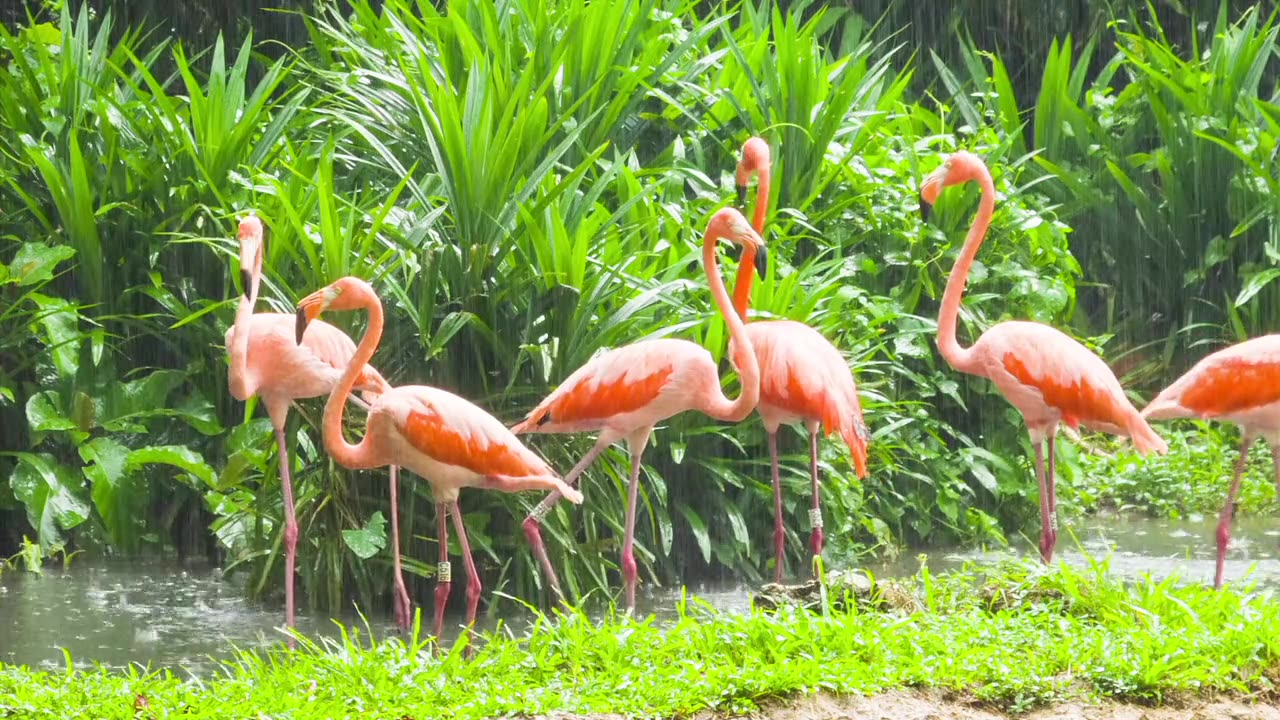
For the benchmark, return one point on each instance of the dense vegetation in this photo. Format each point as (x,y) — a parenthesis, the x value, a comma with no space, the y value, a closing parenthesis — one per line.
(524,182)
(1016,639)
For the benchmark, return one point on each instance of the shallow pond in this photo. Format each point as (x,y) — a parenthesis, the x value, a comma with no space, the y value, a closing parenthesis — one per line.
(186,618)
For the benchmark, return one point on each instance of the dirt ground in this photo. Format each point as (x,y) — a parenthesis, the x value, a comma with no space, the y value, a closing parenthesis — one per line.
(911,705)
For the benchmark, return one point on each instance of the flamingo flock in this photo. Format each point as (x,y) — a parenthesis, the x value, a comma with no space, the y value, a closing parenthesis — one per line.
(787,372)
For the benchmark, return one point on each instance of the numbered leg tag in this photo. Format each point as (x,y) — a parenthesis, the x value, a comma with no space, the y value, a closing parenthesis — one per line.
(1053,520)
(815,518)
(444,572)
(541,511)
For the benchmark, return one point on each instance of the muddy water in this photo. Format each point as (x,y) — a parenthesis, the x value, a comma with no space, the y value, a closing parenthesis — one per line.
(188,618)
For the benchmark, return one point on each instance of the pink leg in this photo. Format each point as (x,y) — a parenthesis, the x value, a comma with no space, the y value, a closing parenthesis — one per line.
(628,556)
(1046,533)
(473,577)
(290,530)
(403,606)
(532,530)
(1051,479)
(779,530)
(444,575)
(1224,520)
(815,515)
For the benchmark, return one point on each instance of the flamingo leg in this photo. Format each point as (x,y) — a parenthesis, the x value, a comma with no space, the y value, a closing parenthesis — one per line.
(532,528)
(1051,477)
(1046,534)
(290,529)
(779,531)
(444,575)
(473,577)
(1224,520)
(629,571)
(815,515)
(403,605)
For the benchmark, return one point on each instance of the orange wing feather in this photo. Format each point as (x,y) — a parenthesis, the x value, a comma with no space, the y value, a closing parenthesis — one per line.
(431,435)
(588,400)
(1078,401)
(1233,385)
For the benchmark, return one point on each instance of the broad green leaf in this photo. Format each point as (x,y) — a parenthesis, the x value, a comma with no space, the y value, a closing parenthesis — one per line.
(35,262)
(44,415)
(1255,284)
(51,495)
(61,322)
(368,540)
(177,456)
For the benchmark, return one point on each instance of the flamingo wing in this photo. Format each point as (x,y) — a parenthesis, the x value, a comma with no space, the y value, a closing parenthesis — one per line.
(804,374)
(335,348)
(1068,377)
(620,381)
(1235,380)
(452,431)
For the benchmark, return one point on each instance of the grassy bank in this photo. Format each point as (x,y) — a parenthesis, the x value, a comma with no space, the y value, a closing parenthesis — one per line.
(1013,639)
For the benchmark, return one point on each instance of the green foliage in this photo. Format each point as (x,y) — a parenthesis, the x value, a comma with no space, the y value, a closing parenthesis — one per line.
(1019,638)
(525,183)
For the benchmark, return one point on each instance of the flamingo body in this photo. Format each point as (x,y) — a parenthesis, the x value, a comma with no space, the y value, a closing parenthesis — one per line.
(626,388)
(1051,378)
(449,441)
(281,371)
(804,379)
(1239,384)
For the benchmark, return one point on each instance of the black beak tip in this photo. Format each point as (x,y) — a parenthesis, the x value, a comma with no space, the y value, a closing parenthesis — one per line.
(740,193)
(300,326)
(762,260)
(926,209)
(244,282)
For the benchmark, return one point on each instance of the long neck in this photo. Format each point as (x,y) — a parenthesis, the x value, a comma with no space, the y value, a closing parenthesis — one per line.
(360,455)
(747,266)
(720,406)
(242,386)
(961,358)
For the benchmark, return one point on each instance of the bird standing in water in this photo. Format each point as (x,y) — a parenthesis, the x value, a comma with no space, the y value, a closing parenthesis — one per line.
(445,439)
(1239,384)
(623,393)
(1049,377)
(803,377)
(266,361)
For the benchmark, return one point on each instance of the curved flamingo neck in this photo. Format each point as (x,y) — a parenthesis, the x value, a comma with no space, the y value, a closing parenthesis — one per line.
(361,454)
(962,358)
(746,267)
(720,406)
(241,385)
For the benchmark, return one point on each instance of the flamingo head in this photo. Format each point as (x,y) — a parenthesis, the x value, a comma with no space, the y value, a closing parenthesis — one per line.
(252,239)
(960,167)
(729,223)
(347,293)
(755,157)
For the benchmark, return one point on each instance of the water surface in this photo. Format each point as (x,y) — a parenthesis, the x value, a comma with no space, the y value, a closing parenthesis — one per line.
(187,618)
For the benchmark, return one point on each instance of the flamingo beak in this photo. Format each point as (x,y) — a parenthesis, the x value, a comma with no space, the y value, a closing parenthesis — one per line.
(300,325)
(740,190)
(930,189)
(245,278)
(926,210)
(762,260)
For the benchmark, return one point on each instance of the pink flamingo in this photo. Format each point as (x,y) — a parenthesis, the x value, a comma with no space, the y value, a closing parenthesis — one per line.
(1239,384)
(623,393)
(443,438)
(265,361)
(1049,377)
(803,377)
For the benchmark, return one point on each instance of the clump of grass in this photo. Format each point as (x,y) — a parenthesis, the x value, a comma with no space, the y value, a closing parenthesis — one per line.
(1073,633)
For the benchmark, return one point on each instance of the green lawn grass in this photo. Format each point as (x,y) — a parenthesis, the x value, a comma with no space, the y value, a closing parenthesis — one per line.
(1015,637)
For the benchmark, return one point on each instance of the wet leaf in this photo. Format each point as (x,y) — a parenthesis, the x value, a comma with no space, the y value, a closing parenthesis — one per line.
(51,495)
(177,456)
(35,262)
(368,540)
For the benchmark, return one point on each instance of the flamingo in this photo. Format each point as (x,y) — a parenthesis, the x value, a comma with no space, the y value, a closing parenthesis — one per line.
(443,438)
(803,377)
(1049,377)
(267,362)
(1239,384)
(624,392)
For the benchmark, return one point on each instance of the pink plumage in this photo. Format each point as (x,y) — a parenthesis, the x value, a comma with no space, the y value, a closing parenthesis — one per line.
(1239,384)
